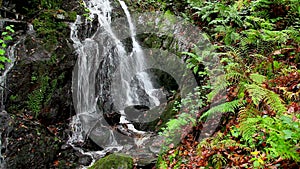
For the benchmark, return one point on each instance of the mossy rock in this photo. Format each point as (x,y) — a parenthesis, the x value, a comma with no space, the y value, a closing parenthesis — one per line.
(166,112)
(114,161)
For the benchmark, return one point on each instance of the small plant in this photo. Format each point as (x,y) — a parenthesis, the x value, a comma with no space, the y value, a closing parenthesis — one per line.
(37,97)
(5,36)
(87,12)
(179,127)
(50,4)
(48,28)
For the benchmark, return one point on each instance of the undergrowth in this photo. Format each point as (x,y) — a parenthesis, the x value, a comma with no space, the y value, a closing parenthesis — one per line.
(257,43)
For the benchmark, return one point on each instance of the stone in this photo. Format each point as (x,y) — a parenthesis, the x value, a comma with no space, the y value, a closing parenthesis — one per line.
(116,161)
(85,160)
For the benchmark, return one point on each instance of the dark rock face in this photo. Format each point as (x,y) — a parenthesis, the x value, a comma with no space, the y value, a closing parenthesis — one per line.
(134,112)
(32,145)
(39,99)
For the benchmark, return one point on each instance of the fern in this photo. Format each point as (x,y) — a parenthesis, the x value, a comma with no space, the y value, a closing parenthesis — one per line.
(218,88)
(275,102)
(224,108)
(259,94)
(290,96)
(256,92)
(248,129)
(247,112)
(281,135)
(257,78)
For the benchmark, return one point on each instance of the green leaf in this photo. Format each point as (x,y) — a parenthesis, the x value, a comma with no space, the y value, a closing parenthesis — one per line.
(7,38)
(224,108)
(257,78)
(287,134)
(276,64)
(195,70)
(2,52)
(4,59)
(256,164)
(286,119)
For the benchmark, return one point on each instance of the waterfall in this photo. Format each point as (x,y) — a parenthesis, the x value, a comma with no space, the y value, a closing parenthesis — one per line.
(103,59)
(8,67)
(143,78)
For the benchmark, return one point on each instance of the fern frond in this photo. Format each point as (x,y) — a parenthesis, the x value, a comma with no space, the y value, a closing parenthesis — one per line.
(292,96)
(259,94)
(233,76)
(247,112)
(224,108)
(256,92)
(248,128)
(281,135)
(219,86)
(275,102)
(257,78)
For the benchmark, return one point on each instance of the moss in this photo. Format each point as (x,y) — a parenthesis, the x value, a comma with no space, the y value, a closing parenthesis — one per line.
(116,161)
(49,28)
(36,97)
(72,16)
(51,4)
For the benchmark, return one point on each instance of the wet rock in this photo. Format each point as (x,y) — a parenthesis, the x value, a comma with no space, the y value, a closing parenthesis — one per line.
(135,111)
(112,118)
(117,161)
(156,118)
(5,122)
(40,102)
(85,160)
(30,146)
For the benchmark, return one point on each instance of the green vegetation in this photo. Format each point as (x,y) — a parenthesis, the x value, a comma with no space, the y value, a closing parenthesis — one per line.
(41,96)
(49,29)
(5,36)
(36,98)
(189,107)
(257,43)
(49,21)
(114,161)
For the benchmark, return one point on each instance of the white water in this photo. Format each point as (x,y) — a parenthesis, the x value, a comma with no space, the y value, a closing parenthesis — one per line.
(9,65)
(139,68)
(86,104)
(91,51)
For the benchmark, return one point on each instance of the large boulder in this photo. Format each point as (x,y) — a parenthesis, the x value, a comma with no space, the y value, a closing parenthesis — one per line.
(116,161)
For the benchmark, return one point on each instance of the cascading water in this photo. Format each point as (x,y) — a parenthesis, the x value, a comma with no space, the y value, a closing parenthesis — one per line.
(143,78)
(99,58)
(9,65)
